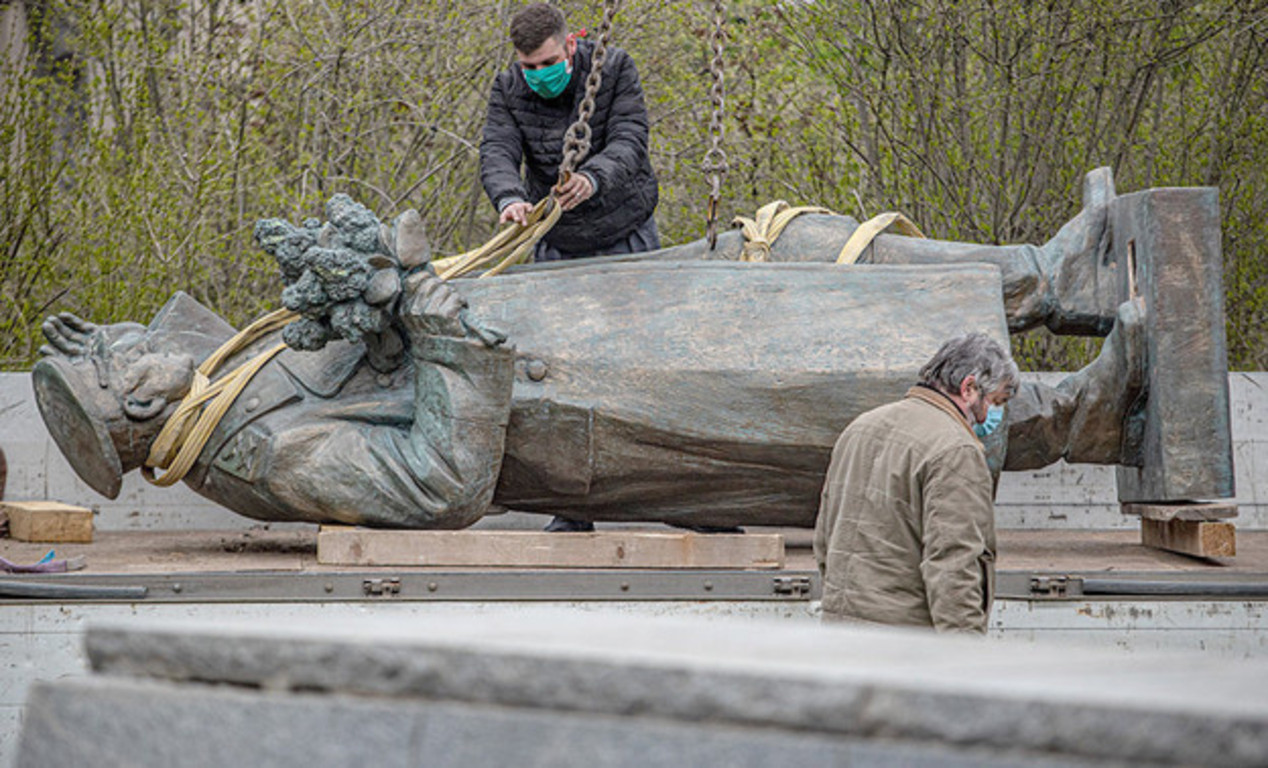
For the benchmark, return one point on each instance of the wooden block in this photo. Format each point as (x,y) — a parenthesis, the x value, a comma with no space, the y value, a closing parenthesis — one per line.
(1190,537)
(48,521)
(340,545)
(1193,512)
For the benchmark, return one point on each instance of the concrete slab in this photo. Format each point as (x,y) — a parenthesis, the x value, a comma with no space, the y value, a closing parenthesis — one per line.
(10,729)
(1248,406)
(44,641)
(881,686)
(171,725)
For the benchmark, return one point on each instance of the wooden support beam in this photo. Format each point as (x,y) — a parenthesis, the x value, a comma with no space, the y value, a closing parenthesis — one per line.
(341,545)
(1190,537)
(48,521)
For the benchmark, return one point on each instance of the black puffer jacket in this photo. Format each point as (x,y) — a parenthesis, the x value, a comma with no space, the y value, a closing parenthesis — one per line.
(522,126)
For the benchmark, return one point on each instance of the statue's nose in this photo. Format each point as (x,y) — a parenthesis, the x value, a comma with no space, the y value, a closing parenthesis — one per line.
(140,409)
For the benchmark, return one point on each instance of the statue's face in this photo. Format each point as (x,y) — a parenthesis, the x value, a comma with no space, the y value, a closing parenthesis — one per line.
(146,382)
(104,392)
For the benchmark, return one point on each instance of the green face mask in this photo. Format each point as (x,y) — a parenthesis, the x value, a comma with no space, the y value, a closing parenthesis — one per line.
(549,82)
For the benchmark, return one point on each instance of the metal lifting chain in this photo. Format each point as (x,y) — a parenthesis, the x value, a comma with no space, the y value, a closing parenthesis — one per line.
(577,139)
(715,160)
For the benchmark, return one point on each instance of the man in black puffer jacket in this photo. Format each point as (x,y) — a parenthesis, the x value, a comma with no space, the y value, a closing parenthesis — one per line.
(608,202)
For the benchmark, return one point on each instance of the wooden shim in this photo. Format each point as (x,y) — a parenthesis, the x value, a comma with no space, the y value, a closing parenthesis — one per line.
(341,545)
(48,521)
(1192,512)
(1190,537)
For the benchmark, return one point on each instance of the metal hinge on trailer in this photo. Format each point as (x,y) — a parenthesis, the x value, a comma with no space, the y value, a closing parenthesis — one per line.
(792,586)
(1056,586)
(389,587)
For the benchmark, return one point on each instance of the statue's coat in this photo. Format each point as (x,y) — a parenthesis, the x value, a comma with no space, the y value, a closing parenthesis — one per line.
(702,393)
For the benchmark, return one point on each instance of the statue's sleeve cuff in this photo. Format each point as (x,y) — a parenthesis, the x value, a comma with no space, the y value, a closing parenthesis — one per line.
(463,379)
(466,353)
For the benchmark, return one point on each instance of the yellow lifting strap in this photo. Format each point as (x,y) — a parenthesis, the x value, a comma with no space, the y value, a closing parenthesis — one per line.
(868,231)
(186,433)
(513,245)
(761,231)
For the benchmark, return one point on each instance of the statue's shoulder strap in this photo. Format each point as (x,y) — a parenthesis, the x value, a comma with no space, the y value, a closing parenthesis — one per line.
(324,372)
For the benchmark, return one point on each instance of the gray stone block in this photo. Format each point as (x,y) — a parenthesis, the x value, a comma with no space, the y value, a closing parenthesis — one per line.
(107,722)
(840,682)
(113,721)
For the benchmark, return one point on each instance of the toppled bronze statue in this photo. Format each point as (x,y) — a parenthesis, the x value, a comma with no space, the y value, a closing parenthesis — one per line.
(679,387)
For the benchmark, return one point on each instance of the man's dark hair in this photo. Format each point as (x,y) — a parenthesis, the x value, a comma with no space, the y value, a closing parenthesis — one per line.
(536,24)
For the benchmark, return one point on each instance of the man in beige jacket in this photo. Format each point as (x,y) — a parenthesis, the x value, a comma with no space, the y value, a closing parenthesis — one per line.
(906,527)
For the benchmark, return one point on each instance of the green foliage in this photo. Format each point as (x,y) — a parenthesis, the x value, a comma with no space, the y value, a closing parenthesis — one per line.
(979,120)
(142,139)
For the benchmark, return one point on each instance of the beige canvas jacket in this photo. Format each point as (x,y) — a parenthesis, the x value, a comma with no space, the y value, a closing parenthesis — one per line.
(906,527)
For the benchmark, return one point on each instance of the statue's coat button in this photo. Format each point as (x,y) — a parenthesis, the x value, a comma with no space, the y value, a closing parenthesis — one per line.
(384,380)
(536,370)
(251,404)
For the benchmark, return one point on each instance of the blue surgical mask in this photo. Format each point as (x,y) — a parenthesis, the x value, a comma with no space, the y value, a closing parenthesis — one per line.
(994,417)
(549,82)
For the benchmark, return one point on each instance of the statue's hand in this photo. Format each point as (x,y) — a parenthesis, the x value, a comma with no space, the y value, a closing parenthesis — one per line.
(68,335)
(431,307)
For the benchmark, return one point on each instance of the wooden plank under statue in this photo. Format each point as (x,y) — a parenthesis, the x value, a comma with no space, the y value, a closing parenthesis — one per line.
(1198,529)
(343,545)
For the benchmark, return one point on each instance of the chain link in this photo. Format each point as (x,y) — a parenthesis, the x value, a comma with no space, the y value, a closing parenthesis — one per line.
(715,164)
(577,139)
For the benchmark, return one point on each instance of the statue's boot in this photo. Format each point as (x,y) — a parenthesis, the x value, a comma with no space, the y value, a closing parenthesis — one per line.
(1087,417)
(560,524)
(1063,284)
(1084,287)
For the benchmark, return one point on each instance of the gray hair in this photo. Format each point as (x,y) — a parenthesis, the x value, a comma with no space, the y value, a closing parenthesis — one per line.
(973,354)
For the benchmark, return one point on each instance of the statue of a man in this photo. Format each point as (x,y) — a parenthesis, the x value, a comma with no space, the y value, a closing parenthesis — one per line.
(692,392)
